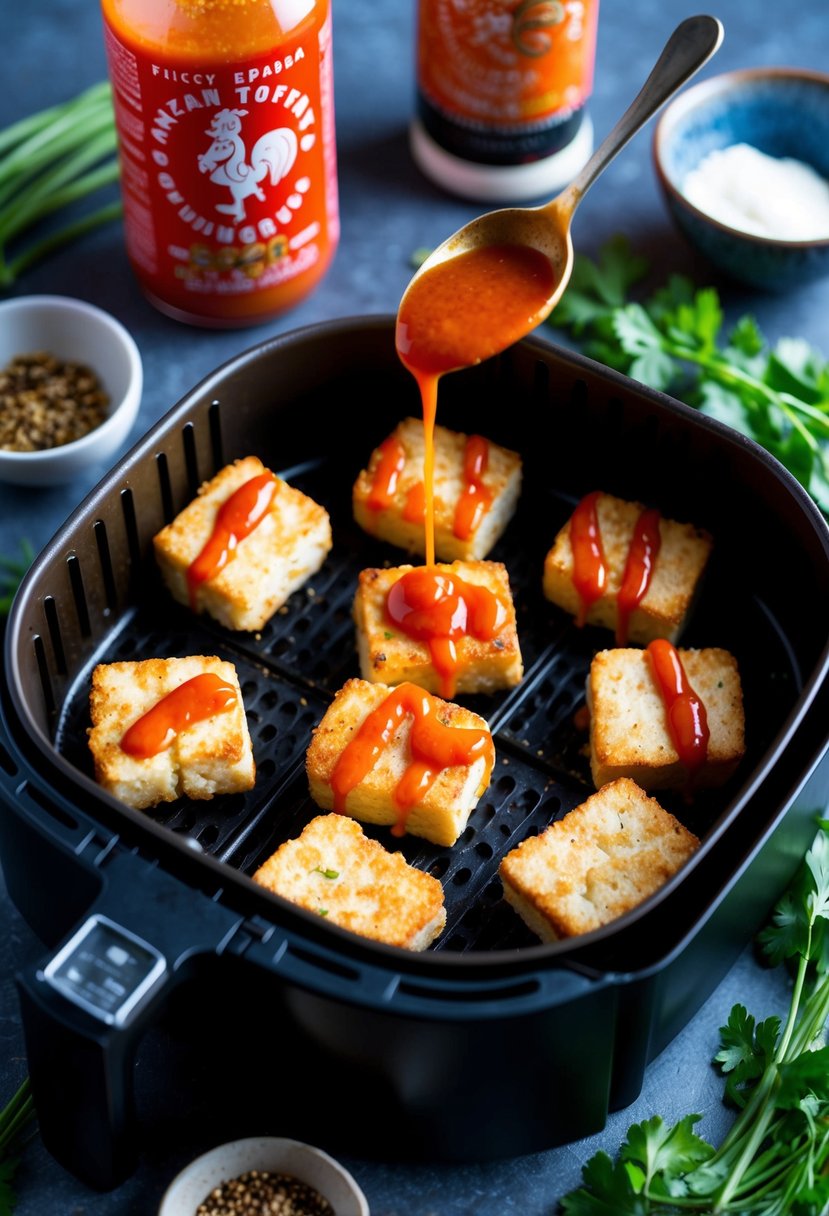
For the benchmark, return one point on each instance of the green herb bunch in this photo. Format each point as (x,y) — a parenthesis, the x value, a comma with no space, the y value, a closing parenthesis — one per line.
(17,1118)
(774,1161)
(674,341)
(49,160)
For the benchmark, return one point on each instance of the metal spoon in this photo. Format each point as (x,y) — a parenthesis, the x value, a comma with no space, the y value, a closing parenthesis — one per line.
(547,228)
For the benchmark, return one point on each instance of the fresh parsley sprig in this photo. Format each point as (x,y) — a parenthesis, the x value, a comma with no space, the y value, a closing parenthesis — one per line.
(17,1118)
(774,1161)
(674,341)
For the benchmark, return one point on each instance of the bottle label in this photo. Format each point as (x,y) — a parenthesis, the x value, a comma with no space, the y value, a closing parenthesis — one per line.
(228,171)
(505,81)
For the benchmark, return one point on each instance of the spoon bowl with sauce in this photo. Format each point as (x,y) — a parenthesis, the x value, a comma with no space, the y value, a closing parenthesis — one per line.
(499,276)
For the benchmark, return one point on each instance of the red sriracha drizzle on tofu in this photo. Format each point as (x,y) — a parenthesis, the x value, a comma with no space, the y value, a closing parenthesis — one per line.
(434,747)
(476,497)
(387,474)
(687,719)
(642,554)
(437,608)
(236,518)
(195,700)
(589,567)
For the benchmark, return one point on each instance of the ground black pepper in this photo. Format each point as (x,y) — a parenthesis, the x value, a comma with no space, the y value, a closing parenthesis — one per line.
(45,402)
(260,1193)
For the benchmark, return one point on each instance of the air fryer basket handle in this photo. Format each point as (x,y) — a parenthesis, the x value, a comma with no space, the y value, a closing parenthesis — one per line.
(81,1079)
(85,1007)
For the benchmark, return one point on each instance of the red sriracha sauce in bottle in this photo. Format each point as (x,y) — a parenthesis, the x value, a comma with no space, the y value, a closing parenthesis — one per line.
(225,118)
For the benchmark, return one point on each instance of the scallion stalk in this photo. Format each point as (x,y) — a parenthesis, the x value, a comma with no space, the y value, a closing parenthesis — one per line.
(48,161)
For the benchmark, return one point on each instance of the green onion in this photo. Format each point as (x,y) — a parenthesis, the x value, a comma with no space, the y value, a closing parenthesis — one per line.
(48,161)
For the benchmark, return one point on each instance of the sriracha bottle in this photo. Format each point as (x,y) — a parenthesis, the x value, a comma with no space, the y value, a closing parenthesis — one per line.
(225,118)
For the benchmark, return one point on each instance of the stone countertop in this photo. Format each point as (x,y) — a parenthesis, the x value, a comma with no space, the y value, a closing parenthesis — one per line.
(388,210)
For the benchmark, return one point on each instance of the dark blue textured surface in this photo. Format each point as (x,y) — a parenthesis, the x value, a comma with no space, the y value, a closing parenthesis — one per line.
(53,49)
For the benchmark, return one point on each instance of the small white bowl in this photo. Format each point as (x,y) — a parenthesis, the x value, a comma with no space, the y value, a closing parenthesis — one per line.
(72,330)
(274,1154)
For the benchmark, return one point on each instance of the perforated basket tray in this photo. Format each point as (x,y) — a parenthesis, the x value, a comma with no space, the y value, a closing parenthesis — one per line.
(312,405)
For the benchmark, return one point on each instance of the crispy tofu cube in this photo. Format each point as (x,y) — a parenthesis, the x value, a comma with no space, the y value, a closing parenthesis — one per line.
(208,757)
(287,546)
(401,521)
(599,861)
(389,656)
(683,555)
(441,814)
(629,735)
(335,870)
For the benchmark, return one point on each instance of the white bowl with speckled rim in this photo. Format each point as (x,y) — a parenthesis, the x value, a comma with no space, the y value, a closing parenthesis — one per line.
(275,1154)
(73,330)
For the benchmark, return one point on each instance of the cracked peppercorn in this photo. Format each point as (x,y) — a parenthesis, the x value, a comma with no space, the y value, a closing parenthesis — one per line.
(46,402)
(261,1193)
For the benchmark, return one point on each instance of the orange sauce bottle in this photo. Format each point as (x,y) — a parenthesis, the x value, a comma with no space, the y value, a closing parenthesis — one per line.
(225,117)
(502,93)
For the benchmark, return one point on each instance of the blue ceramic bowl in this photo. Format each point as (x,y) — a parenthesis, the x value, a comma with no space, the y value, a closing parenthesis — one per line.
(783,112)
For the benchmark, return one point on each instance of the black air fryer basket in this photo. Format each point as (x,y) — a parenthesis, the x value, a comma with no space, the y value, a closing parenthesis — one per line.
(488,1044)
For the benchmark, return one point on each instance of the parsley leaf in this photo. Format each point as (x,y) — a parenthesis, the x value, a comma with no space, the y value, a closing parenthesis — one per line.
(673,341)
(747,1049)
(774,1160)
(595,289)
(607,1191)
(664,1153)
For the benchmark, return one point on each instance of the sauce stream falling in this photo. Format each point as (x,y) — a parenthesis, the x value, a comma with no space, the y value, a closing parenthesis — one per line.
(236,518)
(687,719)
(434,747)
(460,312)
(195,700)
(642,554)
(438,609)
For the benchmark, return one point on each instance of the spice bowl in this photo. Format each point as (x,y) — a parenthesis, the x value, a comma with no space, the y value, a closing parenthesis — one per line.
(321,1186)
(74,335)
(736,219)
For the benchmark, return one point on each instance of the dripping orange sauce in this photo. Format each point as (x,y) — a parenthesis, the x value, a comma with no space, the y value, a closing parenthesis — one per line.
(387,474)
(454,315)
(438,608)
(590,566)
(236,518)
(458,313)
(195,700)
(474,500)
(642,554)
(687,719)
(414,508)
(385,481)
(434,747)
(476,497)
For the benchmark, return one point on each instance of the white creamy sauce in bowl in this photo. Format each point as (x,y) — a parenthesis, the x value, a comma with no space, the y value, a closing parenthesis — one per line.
(776,197)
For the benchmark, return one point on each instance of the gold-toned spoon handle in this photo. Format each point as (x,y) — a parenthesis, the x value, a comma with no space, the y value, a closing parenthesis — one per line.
(692,44)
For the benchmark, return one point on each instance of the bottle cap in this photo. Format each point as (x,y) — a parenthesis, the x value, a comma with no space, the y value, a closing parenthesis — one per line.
(501,183)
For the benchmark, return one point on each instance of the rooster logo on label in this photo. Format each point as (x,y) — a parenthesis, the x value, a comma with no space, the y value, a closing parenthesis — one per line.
(226,160)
